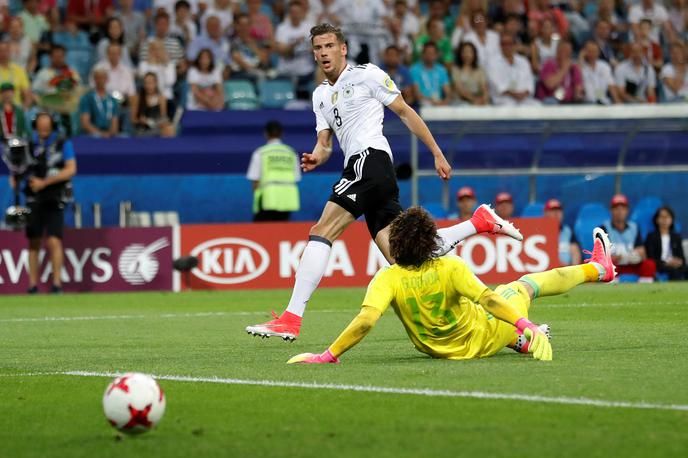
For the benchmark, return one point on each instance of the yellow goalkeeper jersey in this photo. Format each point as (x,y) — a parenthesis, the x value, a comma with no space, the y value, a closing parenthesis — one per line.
(438,305)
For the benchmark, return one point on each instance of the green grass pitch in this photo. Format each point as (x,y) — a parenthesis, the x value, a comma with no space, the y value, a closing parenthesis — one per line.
(612,343)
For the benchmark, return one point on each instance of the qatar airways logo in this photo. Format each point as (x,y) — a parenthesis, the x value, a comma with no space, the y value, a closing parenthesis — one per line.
(138,263)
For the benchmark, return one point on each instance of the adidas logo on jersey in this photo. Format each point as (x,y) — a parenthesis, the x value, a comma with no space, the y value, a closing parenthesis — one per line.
(352,197)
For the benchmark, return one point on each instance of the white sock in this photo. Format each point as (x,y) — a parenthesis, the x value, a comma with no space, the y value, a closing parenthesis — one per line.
(309,273)
(451,236)
(600,269)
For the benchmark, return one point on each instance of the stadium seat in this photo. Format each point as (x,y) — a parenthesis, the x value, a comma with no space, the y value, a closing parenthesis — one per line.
(240,95)
(139,219)
(643,212)
(275,93)
(163,218)
(590,216)
(533,210)
(436,209)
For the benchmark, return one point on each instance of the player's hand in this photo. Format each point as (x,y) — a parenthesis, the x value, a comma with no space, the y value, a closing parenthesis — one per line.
(442,166)
(312,358)
(539,344)
(309,161)
(36,184)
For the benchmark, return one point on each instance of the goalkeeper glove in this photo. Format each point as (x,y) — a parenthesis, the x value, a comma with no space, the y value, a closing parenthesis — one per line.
(311,358)
(539,343)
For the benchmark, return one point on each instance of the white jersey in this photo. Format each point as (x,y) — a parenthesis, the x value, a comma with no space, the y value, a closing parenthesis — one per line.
(353,108)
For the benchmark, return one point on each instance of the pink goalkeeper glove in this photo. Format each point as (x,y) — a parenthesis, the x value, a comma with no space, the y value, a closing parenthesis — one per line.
(311,358)
(539,343)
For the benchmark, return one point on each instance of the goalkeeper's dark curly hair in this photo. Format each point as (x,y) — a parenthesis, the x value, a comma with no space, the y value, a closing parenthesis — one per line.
(413,237)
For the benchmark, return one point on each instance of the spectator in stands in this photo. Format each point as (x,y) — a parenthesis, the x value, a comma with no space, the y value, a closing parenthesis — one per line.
(465,203)
(58,86)
(149,114)
(364,25)
(214,40)
(88,14)
(500,14)
(628,252)
(184,27)
(544,47)
(466,16)
(560,78)
(665,247)
(486,41)
(15,74)
(510,77)
(21,48)
(13,120)
(98,109)
(396,37)
(635,78)
(569,249)
(162,67)
(409,23)
(222,9)
(468,77)
(656,14)
(598,80)
(33,21)
(114,33)
(260,25)
(121,77)
(431,78)
(325,11)
(606,11)
(435,35)
(438,9)
(250,57)
(134,23)
(652,51)
(400,74)
(504,205)
(678,16)
(205,82)
(602,37)
(513,27)
(675,75)
(294,47)
(162,32)
(540,10)
(274,172)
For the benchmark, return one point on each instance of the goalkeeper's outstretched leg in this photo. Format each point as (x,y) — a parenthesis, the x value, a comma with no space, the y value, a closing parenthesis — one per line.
(558,281)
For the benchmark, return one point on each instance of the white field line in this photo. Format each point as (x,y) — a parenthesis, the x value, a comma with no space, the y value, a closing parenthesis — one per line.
(388,390)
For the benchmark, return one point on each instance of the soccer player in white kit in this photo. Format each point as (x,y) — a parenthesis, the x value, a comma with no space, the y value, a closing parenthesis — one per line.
(350,103)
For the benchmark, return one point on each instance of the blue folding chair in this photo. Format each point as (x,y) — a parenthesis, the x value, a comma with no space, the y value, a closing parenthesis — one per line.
(275,93)
(240,95)
(590,216)
(534,210)
(643,212)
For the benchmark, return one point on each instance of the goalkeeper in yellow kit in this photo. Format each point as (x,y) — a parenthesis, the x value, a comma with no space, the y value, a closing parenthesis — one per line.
(446,310)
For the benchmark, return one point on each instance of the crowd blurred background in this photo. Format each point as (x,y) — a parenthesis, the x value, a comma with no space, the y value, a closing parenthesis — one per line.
(126,67)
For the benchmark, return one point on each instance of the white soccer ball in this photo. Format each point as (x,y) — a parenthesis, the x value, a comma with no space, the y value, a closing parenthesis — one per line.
(134,403)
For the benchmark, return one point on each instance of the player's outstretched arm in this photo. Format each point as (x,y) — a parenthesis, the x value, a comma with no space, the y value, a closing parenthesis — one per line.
(418,127)
(321,151)
(501,309)
(352,335)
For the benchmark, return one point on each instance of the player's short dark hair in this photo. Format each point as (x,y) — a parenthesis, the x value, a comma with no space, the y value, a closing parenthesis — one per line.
(324,29)
(273,129)
(413,237)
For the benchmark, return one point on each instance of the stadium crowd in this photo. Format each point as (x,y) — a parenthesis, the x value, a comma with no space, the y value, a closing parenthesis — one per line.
(125,66)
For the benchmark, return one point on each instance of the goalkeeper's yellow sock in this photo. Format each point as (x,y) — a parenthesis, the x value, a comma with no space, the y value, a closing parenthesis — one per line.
(559,281)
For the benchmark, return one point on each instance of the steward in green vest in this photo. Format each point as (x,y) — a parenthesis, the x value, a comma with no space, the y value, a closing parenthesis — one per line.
(274,171)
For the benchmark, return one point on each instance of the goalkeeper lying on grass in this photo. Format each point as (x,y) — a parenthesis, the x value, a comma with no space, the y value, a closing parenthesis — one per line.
(446,310)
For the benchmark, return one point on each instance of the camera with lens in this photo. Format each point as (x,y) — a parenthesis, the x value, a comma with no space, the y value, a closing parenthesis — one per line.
(17,157)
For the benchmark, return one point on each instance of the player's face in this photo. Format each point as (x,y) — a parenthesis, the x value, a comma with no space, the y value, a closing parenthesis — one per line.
(329,53)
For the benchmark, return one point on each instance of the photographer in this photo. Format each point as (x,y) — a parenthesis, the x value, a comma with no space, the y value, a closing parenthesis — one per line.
(46,190)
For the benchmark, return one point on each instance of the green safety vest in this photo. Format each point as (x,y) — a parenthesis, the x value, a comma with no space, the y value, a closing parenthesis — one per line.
(277,189)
